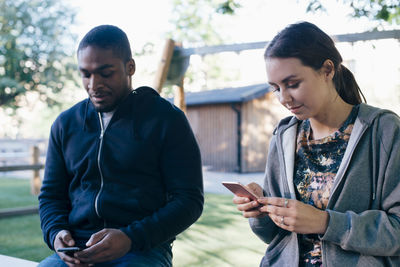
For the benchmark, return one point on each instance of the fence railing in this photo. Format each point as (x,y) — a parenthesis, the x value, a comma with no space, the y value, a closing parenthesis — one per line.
(36,181)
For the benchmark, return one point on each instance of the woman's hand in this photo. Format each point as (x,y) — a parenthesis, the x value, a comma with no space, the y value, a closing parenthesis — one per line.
(249,208)
(294,215)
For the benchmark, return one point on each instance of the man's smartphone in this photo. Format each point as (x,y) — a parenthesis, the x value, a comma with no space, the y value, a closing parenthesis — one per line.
(69,250)
(240,190)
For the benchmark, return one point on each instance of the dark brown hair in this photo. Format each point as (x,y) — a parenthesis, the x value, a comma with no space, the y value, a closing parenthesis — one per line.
(306,42)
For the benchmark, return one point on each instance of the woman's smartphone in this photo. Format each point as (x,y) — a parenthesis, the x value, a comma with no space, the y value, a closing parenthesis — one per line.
(240,190)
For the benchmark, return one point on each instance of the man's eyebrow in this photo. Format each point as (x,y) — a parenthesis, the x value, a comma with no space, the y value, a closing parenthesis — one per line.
(102,67)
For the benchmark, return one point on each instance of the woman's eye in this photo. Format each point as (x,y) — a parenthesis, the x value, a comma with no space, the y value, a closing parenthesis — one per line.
(275,89)
(293,85)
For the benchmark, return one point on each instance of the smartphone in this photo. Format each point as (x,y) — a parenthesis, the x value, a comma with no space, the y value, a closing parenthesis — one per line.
(69,250)
(240,190)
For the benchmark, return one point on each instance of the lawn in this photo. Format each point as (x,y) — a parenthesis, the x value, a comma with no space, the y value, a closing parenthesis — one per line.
(221,237)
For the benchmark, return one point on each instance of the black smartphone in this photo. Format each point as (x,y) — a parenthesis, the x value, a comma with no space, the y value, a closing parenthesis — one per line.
(69,250)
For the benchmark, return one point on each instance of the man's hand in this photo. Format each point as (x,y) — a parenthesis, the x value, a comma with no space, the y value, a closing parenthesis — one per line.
(64,239)
(106,245)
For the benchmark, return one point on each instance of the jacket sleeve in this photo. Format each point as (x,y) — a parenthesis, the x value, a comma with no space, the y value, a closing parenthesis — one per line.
(376,231)
(264,227)
(181,169)
(54,205)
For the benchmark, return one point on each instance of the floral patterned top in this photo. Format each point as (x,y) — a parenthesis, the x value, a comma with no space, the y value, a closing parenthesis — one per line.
(316,165)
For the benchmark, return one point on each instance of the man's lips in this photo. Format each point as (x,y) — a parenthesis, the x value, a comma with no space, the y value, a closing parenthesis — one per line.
(99,97)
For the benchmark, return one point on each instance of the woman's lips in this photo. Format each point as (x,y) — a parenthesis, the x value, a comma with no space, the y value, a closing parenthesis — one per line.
(295,109)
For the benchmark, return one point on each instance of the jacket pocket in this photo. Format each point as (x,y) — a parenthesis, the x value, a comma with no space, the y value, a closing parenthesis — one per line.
(282,251)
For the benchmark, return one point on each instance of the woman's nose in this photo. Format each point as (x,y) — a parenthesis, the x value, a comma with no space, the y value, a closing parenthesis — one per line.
(284,97)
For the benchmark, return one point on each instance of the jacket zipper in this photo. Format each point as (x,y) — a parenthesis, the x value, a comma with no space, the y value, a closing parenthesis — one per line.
(96,206)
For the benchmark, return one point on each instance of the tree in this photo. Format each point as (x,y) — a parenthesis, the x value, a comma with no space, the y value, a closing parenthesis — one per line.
(378,10)
(198,23)
(35,50)
(193,22)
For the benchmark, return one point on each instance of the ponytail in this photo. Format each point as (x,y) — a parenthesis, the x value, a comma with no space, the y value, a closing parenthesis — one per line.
(347,87)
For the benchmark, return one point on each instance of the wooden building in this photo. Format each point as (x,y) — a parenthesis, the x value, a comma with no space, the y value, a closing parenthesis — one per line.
(233,126)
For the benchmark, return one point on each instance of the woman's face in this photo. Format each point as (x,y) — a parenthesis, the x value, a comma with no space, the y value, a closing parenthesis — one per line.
(304,91)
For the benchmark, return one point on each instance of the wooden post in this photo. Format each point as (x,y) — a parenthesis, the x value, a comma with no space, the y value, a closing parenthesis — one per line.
(179,96)
(162,71)
(36,182)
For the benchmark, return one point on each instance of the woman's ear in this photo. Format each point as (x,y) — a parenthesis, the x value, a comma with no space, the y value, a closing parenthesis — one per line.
(328,69)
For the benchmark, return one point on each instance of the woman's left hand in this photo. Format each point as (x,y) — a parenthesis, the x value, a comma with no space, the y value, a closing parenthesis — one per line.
(294,215)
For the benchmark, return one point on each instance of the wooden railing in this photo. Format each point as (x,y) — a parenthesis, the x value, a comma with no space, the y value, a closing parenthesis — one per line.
(36,182)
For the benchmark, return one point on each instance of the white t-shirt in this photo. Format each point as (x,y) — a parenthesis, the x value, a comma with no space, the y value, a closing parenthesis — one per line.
(106,117)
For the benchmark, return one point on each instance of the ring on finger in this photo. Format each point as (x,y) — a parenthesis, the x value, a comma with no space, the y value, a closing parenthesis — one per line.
(282,220)
(286,202)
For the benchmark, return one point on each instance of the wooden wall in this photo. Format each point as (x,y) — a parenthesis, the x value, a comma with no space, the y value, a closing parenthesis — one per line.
(215,129)
(259,118)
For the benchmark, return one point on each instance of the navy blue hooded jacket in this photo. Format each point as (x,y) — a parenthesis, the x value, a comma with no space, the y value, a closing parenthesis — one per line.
(141,175)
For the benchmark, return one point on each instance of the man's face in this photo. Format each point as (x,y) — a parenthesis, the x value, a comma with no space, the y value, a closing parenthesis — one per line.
(106,78)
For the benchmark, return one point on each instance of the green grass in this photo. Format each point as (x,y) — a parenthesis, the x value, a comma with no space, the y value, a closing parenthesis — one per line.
(20,236)
(16,193)
(221,237)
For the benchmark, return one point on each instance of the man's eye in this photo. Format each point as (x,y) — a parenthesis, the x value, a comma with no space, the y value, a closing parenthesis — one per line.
(85,74)
(106,74)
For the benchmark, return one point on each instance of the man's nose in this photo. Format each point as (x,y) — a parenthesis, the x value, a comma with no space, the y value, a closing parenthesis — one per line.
(94,82)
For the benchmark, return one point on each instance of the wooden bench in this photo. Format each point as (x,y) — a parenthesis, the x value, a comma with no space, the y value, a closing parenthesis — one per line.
(16,262)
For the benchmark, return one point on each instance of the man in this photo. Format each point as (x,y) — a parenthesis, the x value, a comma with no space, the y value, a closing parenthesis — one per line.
(123,171)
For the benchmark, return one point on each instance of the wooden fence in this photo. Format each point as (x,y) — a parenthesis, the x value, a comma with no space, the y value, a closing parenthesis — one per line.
(11,156)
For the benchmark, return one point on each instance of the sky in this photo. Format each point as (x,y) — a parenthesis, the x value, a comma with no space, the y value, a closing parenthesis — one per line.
(257,20)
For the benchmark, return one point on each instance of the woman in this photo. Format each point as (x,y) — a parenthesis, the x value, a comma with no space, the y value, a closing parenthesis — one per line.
(331,189)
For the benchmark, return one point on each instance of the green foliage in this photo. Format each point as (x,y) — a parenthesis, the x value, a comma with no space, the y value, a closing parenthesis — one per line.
(379,10)
(194,20)
(382,10)
(201,23)
(228,7)
(35,49)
